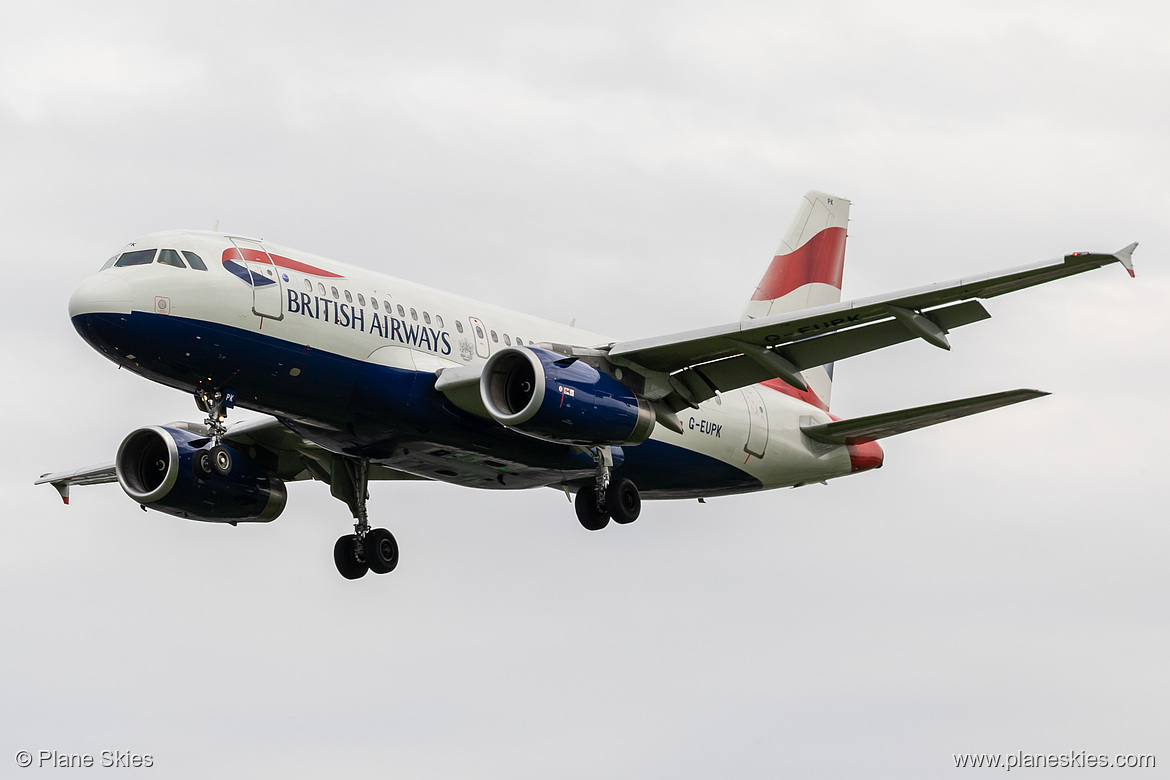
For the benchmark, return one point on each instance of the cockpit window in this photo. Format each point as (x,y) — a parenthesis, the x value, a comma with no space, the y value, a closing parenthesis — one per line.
(195,260)
(137,257)
(170,257)
(110,263)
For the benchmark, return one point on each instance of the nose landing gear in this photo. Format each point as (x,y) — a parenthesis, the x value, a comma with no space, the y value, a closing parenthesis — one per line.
(215,403)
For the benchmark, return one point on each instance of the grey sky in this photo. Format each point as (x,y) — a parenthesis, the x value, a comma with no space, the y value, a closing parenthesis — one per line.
(999,585)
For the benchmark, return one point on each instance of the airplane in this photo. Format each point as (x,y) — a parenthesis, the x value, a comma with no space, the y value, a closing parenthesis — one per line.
(362,376)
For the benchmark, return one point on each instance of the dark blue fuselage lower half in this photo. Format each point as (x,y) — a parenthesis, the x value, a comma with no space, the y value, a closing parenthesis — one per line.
(392,416)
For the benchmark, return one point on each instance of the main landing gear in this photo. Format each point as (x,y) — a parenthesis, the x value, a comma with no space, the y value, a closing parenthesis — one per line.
(366,549)
(606,499)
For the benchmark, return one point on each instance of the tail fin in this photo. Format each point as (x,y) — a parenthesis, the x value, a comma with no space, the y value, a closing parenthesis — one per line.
(805,273)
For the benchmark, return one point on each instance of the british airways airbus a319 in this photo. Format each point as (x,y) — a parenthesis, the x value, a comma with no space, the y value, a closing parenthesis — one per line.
(364,376)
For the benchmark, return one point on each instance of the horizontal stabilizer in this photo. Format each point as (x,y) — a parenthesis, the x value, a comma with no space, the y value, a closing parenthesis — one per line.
(878,426)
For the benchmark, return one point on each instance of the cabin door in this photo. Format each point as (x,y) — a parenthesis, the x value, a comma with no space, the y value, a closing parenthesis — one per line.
(757,438)
(480,333)
(267,296)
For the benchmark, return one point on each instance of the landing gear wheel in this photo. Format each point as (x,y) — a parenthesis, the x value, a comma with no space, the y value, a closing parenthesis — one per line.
(623,501)
(591,516)
(381,551)
(203,467)
(345,555)
(221,460)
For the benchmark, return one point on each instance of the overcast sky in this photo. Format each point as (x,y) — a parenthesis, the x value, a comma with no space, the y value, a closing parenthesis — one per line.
(1000,585)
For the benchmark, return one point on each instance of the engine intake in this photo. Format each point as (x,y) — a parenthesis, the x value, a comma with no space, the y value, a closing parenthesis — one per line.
(563,399)
(158,466)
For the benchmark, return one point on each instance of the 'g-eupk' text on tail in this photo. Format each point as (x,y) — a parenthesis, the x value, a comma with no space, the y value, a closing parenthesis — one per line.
(805,273)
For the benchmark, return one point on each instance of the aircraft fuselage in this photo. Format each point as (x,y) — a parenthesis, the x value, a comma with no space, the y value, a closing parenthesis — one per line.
(348,359)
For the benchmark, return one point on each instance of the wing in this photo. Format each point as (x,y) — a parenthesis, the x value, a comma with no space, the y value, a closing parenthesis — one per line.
(94,475)
(687,368)
(295,458)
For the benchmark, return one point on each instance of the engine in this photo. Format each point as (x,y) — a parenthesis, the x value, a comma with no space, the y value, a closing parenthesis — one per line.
(563,399)
(178,472)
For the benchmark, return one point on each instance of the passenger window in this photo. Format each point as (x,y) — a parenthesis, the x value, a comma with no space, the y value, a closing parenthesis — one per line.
(334,291)
(458,326)
(439,321)
(170,257)
(479,331)
(348,297)
(401,311)
(195,261)
(426,318)
(320,289)
(137,257)
(507,341)
(414,315)
(308,285)
(361,300)
(374,303)
(495,338)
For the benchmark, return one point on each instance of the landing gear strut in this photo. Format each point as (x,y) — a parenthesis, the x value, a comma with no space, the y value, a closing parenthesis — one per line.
(605,499)
(366,549)
(215,403)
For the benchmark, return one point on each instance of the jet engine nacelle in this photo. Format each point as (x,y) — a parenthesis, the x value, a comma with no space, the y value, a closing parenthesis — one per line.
(164,468)
(563,399)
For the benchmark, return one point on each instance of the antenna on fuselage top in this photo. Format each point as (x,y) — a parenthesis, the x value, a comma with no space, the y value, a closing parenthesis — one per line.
(215,228)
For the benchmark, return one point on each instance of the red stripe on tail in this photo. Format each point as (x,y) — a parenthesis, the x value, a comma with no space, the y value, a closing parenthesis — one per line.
(821,260)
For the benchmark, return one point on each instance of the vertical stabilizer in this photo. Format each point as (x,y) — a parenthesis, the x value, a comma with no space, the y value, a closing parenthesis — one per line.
(806,270)
(805,273)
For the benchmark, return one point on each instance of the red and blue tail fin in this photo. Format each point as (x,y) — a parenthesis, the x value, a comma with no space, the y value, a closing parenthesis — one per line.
(805,273)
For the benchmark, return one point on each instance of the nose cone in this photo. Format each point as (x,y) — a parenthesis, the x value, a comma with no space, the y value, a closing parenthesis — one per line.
(102,293)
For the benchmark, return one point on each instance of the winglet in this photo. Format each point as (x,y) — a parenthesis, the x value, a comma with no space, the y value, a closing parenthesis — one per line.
(1125,257)
(94,475)
(63,489)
